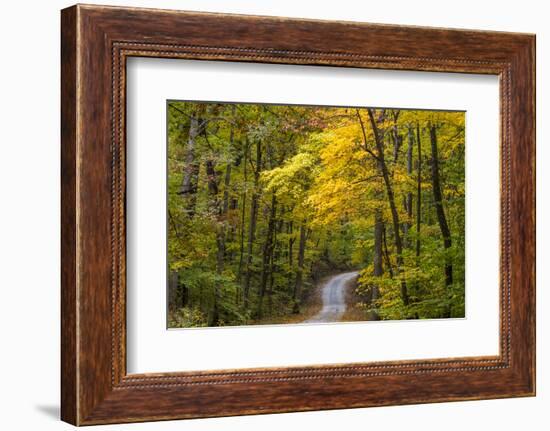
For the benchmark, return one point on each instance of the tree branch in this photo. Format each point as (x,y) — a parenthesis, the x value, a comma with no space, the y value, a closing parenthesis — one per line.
(367,149)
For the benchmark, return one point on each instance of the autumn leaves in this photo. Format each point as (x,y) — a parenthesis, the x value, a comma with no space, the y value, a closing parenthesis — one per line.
(263,200)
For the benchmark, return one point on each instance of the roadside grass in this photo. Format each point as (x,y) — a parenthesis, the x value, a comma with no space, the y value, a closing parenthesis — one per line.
(353,311)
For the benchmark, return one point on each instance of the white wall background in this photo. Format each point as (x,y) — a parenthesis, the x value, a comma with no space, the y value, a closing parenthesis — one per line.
(29,215)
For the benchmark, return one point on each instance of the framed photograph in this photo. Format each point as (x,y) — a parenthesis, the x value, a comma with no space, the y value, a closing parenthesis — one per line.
(266,215)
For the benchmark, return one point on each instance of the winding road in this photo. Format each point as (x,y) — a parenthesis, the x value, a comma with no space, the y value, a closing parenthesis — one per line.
(334,298)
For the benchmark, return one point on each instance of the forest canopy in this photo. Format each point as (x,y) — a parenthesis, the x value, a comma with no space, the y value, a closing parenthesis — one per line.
(266,201)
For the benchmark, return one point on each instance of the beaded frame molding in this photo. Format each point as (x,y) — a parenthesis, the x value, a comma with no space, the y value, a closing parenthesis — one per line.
(95,43)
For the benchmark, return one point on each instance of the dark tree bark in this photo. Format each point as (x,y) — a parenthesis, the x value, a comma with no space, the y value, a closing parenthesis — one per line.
(191,167)
(216,209)
(418,193)
(397,138)
(409,196)
(226,194)
(386,252)
(212,181)
(271,283)
(391,198)
(273,266)
(177,293)
(243,215)
(252,226)
(220,210)
(267,255)
(174,301)
(300,271)
(229,203)
(441,218)
(378,267)
(220,242)
(226,184)
(291,240)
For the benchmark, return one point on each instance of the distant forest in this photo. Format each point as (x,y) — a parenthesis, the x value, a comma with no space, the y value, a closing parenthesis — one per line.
(265,200)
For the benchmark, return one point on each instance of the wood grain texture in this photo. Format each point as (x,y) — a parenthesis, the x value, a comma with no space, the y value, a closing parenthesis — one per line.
(96,41)
(69,397)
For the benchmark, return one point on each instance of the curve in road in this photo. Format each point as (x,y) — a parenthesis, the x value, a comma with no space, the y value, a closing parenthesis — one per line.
(334,298)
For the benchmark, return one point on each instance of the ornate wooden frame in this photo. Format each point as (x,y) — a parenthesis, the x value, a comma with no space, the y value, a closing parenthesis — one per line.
(95,42)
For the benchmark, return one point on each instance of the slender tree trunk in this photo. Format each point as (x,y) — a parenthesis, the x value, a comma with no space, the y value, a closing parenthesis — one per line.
(418,194)
(442,220)
(275,257)
(250,247)
(397,138)
(212,182)
(174,300)
(243,216)
(300,271)
(226,184)
(418,204)
(378,267)
(252,226)
(231,233)
(185,295)
(191,168)
(216,208)
(291,240)
(391,198)
(267,255)
(271,283)
(175,290)
(220,209)
(220,242)
(409,196)
(230,201)
(386,252)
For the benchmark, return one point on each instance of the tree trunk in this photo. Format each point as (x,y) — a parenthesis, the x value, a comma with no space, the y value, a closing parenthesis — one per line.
(397,138)
(378,268)
(212,182)
(191,168)
(220,242)
(386,252)
(252,226)
(225,201)
(300,271)
(391,198)
(220,237)
(291,240)
(442,220)
(397,142)
(220,209)
(267,255)
(174,299)
(226,184)
(275,257)
(409,196)
(418,194)
(243,217)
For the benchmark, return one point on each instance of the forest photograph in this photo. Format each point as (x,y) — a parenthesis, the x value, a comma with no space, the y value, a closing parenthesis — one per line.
(288,214)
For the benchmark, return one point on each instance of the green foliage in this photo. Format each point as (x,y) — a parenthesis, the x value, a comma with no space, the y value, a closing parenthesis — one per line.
(245,180)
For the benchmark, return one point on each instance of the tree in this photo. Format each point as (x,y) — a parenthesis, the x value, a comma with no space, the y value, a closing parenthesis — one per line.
(378,140)
(438,201)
